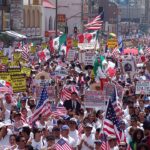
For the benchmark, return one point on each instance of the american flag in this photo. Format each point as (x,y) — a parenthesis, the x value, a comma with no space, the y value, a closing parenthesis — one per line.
(95,24)
(147,51)
(80,129)
(58,110)
(111,123)
(25,52)
(105,144)
(43,107)
(62,145)
(115,53)
(67,91)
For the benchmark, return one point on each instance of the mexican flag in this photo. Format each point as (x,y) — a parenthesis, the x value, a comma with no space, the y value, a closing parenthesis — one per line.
(56,43)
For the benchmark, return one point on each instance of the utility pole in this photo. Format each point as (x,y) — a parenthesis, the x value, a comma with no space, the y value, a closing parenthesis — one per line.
(81,15)
(56,18)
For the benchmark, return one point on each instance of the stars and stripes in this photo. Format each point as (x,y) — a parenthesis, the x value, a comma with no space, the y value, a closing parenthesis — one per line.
(58,110)
(80,129)
(62,145)
(111,123)
(25,52)
(95,24)
(147,51)
(43,106)
(115,53)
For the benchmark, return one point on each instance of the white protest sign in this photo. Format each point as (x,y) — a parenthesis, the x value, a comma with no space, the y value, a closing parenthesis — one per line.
(87,57)
(94,99)
(86,46)
(128,64)
(60,73)
(71,55)
(143,87)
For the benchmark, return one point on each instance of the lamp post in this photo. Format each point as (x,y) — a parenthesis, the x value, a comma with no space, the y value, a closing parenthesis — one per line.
(56,19)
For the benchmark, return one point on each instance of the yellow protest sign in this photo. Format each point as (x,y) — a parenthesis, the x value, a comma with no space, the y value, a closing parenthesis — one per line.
(14,67)
(25,70)
(75,43)
(5,76)
(17,56)
(18,83)
(1,53)
(112,43)
(4,60)
(33,49)
(44,45)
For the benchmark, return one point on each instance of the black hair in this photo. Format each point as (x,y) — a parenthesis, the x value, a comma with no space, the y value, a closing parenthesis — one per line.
(141,146)
(135,135)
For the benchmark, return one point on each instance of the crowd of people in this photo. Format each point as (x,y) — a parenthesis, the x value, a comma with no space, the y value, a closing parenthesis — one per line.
(80,128)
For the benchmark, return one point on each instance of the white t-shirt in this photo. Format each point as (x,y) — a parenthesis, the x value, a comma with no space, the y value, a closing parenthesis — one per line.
(38,145)
(90,140)
(75,135)
(70,141)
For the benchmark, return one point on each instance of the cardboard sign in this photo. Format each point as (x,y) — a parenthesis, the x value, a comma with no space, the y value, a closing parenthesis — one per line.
(87,57)
(71,55)
(128,64)
(4,60)
(94,99)
(18,83)
(88,46)
(17,56)
(26,70)
(143,87)
(110,88)
(112,43)
(1,53)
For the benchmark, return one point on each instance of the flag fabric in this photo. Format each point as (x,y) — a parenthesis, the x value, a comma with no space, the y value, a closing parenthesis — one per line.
(115,53)
(62,145)
(5,87)
(58,42)
(58,110)
(80,129)
(67,91)
(147,51)
(88,37)
(44,55)
(111,123)
(95,24)
(105,144)
(42,107)
(120,43)
(25,52)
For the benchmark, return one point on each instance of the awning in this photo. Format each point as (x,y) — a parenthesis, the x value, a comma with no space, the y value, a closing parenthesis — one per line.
(15,34)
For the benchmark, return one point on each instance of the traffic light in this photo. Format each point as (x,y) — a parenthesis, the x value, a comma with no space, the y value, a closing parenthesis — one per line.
(75,30)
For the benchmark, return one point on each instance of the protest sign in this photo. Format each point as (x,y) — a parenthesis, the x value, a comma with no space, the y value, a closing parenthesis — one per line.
(128,64)
(59,73)
(18,83)
(14,67)
(143,87)
(4,60)
(87,57)
(71,55)
(88,46)
(17,56)
(5,76)
(1,53)
(109,90)
(112,43)
(94,99)
(26,70)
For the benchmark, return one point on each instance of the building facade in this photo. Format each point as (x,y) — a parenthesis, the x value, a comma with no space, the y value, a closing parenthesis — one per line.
(39,17)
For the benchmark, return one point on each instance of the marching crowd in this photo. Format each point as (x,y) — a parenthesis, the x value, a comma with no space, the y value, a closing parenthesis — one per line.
(80,128)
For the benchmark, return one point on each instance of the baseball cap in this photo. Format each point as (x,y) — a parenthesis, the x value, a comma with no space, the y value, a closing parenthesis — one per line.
(73,120)
(98,142)
(88,125)
(65,127)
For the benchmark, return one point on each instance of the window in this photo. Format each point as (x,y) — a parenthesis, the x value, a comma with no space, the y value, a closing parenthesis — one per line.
(50,23)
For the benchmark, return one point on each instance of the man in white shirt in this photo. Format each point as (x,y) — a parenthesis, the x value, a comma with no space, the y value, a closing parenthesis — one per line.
(65,135)
(87,139)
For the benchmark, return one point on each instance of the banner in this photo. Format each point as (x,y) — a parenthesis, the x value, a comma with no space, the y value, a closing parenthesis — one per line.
(143,87)
(94,99)
(71,55)
(88,46)
(87,57)
(18,83)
